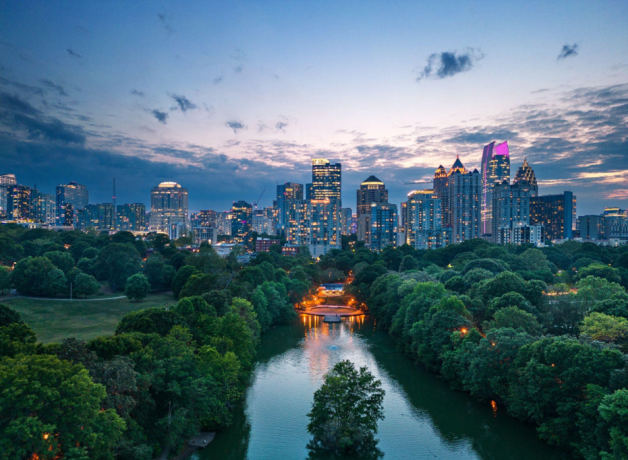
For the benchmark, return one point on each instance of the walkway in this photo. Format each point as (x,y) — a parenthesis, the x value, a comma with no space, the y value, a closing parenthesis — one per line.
(63,300)
(326,310)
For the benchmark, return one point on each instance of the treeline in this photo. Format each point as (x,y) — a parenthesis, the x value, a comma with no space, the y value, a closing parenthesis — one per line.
(542,332)
(165,374)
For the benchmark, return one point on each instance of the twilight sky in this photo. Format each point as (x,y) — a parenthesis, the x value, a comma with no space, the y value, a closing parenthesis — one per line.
(227,97)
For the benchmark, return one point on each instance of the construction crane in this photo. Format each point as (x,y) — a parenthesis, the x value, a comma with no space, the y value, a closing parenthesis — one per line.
(258,200)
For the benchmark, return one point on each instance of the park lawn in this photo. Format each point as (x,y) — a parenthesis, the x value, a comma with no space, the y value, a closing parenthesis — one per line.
(54,320)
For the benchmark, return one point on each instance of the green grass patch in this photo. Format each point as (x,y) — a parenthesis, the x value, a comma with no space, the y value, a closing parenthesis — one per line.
(54,320)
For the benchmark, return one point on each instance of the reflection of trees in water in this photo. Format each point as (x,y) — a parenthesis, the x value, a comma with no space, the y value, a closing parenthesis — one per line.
(456,417)
(370,452)
(232,443)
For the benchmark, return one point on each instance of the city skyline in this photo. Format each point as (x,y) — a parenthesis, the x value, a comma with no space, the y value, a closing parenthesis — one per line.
(229,99)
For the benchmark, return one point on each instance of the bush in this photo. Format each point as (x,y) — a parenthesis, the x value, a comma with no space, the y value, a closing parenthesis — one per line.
(137,287)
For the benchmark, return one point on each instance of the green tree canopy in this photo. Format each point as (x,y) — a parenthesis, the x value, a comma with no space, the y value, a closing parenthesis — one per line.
(137,287)
(49,405)
(346,410)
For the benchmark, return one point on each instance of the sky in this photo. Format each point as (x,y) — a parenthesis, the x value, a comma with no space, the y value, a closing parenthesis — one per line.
(231,98)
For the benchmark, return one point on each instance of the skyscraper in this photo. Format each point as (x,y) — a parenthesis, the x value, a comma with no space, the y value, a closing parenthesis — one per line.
(73,194)
(440,189)
(19,202)
(99,216)
(5,181)
(383,226)
(241,220)
(555,212)
(511,206)
(424,229)
(525,172)
(326,180)
(43,207)
(168,206)
(286,194)
(132,217)
(495,169)
(464,202)
(371,191)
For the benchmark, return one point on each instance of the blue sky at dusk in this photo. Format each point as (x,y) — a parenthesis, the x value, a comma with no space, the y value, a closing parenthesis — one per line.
(227,98)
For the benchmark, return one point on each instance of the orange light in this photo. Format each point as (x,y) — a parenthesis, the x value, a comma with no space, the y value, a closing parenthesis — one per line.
(493,343)
(464,330)
(46,435)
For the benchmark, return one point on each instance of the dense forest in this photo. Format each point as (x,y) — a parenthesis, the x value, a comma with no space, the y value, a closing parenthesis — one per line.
(165,374)
(541,333)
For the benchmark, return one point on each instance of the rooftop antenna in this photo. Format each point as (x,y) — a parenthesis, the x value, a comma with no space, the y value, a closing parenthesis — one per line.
(115,212)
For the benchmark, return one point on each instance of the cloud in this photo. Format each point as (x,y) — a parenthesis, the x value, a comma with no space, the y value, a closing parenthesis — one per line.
(137,93)
(54,87)
(238,68)
(21,117)
(14,104)
(160,116)
(166,19)
(235,125)
(217,80)
(21,86)
(281,125)
(568,50)
(74,54)
(449,63)
(183,102)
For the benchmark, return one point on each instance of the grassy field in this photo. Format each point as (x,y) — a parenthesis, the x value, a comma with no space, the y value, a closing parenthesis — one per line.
(54,320)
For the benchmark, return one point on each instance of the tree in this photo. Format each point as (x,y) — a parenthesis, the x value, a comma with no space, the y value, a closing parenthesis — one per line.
(614,411)
(515,318)
(346,410)
(9,316)
(159,274)
(50,406)
(603,327)
(181,277)
(85,285)
(116,262)
(534,260)
(55,283)
(137,287)
(592,290)
(601,271)
(60,259)
(5,279)
(29,275)
(408,263)
(10,252)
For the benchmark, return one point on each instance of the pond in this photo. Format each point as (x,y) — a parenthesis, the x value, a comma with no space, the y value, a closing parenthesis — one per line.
(425,419)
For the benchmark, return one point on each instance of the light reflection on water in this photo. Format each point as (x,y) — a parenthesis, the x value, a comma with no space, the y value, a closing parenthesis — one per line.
(424,418)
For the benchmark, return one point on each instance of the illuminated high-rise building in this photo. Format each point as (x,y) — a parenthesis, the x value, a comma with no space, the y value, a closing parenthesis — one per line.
(19,203)
(495,169)
(5,181)
(424,228)
(371,191)
(525,172)
(207,218)
(97,216)
(43,207)
(241,220)
(169,208)
(132,217)
(73,194)
(383,226)
(346,218)
(440,189)
(511,207)
(464,203)
(326,180)
(286,195)
(315,224)
(555,213)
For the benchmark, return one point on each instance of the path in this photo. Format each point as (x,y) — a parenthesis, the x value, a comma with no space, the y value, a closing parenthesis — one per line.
(64,300)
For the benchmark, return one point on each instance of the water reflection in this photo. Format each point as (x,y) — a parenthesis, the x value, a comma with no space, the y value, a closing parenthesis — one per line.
(424,418)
